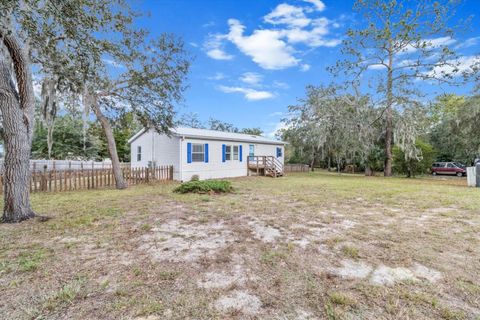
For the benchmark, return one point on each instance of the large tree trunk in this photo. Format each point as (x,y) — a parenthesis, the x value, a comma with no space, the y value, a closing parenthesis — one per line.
(112,146)
(389,117)
(17,105)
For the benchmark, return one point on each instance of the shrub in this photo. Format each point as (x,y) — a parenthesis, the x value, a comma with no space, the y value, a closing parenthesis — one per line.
(413,167)
(205,186)
(195,177)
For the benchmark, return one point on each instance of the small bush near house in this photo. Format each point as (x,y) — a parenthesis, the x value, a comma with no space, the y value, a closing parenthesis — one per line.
(205,186)
(195,177)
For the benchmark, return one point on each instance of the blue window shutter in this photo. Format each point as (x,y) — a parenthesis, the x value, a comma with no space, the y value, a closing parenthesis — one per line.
(224,149)
(189,152)
(279,152)
(240,156)
(206,152)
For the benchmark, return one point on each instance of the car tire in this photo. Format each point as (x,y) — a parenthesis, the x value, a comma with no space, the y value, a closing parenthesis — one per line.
(459,174)
(434,173)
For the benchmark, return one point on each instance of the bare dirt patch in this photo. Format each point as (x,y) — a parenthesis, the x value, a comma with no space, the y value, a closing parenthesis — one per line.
(177,241)
(240,301)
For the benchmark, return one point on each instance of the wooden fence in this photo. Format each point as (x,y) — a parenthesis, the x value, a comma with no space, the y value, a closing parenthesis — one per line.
(71,180)
(296,168)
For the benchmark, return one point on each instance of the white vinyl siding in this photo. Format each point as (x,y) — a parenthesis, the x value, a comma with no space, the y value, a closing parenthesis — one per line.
(158,149)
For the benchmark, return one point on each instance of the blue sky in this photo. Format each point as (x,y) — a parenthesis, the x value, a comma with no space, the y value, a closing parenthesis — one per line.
(253,58)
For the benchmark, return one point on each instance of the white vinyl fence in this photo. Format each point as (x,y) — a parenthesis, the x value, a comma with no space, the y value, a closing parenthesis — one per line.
(63,165)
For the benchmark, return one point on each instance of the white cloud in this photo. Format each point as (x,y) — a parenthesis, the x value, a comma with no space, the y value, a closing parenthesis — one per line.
(319,5)
(280,84)
(434,43)
(376,67)
(264,46)
(217,76)
(304,67)
(214,47)
(442,41)
(470,42)
(250,94)
(251,78)
(273,49)
(456,68)
(289,15)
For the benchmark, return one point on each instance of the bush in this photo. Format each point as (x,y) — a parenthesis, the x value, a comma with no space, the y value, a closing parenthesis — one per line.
(413,167)
(205,186)
(195,177)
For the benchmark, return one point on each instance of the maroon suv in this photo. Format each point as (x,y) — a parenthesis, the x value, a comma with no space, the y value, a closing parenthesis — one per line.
(448,168)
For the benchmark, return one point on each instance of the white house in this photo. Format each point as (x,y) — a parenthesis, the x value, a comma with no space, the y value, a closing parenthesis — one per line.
(207,153)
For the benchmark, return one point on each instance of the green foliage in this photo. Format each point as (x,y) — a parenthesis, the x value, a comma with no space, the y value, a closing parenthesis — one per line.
(375,158)
(191,120)
(123,128)
(69,143)
(219,125)
(68,140)
(205,186)
(411,167)
(330,123)
(454,133)
(252,131)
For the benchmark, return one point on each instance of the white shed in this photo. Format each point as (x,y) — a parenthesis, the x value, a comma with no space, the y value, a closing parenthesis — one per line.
(207,153)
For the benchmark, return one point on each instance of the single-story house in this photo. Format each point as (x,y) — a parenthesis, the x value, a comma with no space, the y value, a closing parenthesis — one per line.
(208,154)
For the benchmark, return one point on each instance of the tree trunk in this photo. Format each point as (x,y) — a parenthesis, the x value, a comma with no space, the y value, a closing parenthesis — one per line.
(50,140)
(112,146)
(389,116)
(17,108)
(368,171)
(312,163)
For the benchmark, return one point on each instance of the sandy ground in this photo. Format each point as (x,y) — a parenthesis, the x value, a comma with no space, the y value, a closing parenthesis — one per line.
(316,246)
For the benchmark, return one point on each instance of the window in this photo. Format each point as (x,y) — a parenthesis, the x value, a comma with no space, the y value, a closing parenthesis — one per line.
(279,152)
(235,152)
(139,153)
(198,152)
(251,151)
(450,165)
(228,153)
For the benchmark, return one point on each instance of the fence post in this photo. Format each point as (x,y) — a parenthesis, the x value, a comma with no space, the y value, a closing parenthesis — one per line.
(44,179)
(34,176)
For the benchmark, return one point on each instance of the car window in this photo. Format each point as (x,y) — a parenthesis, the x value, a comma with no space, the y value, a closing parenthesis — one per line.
(450,165)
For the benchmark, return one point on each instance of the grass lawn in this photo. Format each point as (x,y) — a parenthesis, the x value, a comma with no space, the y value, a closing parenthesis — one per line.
(306,246)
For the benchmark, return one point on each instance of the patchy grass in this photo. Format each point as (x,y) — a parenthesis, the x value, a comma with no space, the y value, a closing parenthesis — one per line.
(351,252)
(305,246)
